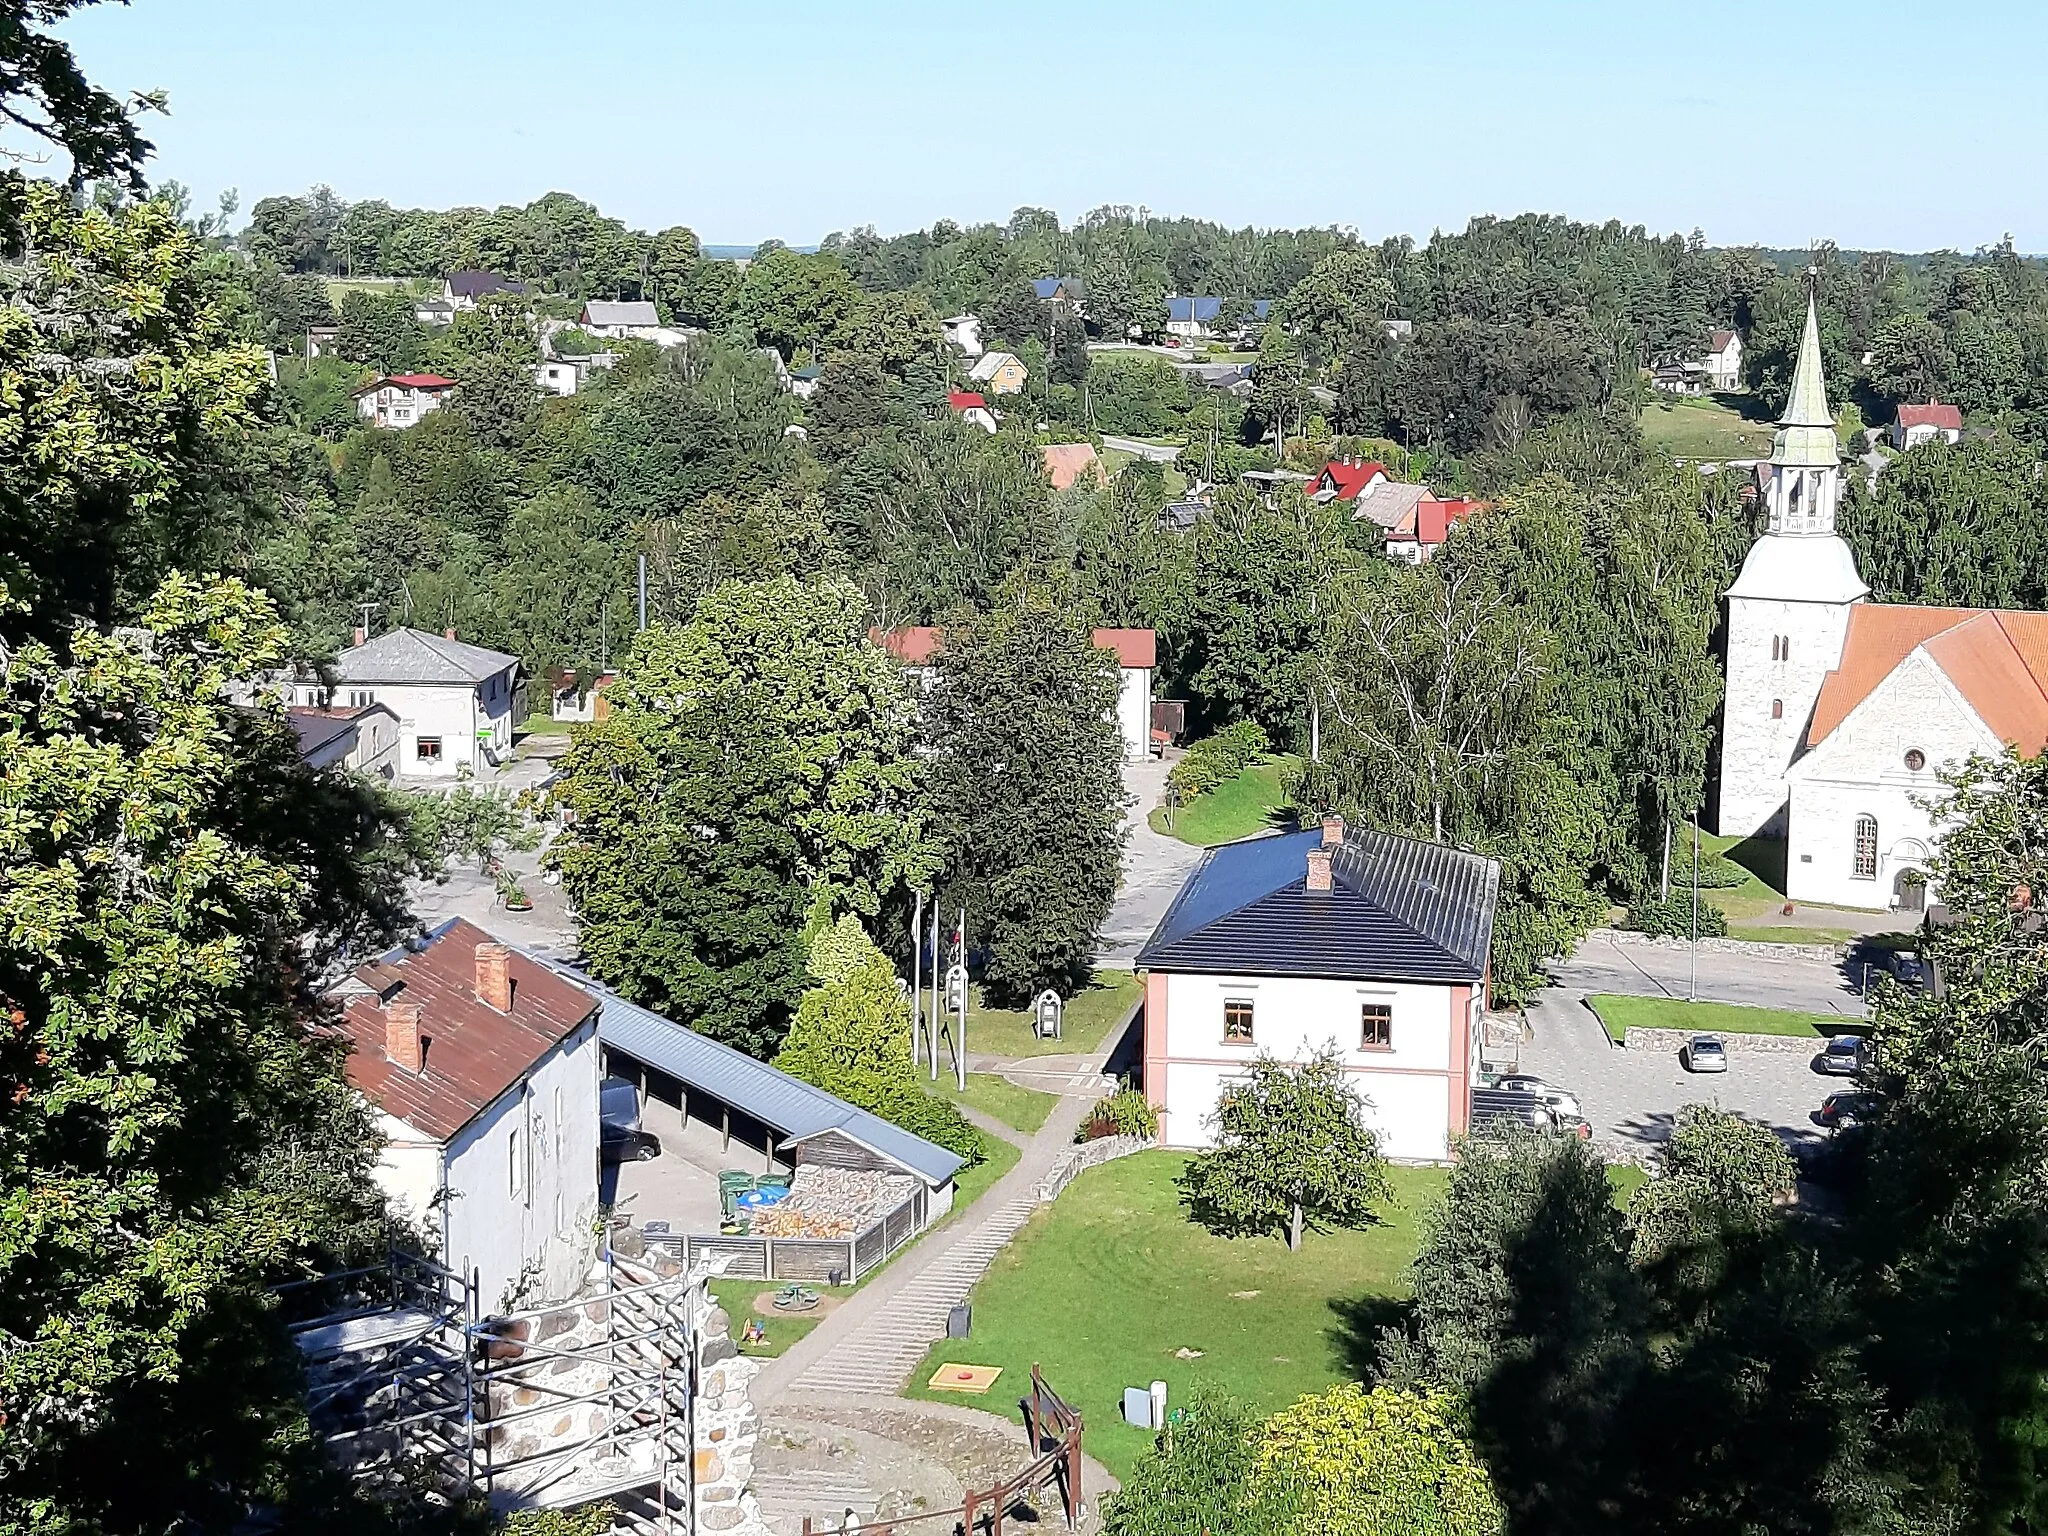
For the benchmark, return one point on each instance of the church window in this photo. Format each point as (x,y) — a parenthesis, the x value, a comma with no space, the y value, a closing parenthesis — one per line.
(1916,759)
(1866,847)
(1781,647)
(1777,709)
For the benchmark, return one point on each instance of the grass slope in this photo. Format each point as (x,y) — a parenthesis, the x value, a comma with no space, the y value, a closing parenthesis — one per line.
(1090,1014)
(974,1182)
(1110,1281)
(1705,427)
(1621,1014)
(1248,804)
(1022,1109)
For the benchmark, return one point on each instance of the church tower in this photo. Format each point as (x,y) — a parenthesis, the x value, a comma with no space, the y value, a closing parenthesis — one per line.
(1789,609)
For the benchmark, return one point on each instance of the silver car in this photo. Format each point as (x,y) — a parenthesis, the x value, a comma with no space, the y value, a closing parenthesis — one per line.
(1845,1056)
(1705,1053)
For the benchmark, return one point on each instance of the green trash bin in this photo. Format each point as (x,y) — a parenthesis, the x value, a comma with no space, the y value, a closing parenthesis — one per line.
(731,1183)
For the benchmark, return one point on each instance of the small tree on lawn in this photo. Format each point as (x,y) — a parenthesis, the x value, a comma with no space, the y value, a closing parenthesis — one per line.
(1292,1146)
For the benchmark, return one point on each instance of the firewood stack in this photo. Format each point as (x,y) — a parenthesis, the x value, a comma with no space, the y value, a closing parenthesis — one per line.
(832,1202)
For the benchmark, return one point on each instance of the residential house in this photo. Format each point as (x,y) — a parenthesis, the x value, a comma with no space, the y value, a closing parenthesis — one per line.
(482,1066)
(568,699)
(1917,424)
(1136,652)
(1724,360)
(803,382)
(1181,516)
(1000,373)
(1063,293)
(964,332)
(456,703)
(402,400)
(463,289)
(1372,494)
(362,738)
(323,341)
(1674,377)
(972,409)
(621,320)
(436,313)
(1363,943)
(1068,463)
(557,376)
(1423,528)
(1346,479)
(1194,318)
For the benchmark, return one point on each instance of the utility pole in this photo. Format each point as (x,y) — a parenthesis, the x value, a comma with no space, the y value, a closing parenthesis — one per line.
(917,985)
(1692,957)
(1667,860)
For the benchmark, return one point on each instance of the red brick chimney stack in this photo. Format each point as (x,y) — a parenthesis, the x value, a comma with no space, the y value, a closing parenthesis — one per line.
(1319,869)
(1333,831)
(449,632)
(402,1037)
(361,634)
(494,977)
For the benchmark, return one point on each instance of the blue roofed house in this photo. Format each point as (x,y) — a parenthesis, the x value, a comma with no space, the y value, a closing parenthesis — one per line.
(1062,292)
(1194,317)
(1278,946)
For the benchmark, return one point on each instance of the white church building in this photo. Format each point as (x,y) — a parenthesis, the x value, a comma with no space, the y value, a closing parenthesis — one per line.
(1840,712)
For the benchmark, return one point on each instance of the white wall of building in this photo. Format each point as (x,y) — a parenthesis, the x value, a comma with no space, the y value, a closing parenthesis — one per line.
(546,1128)
(1759,741)
(1860,770)
(377,744)
(1411,1089)
(1134,712)
(409,1173)
(463,720)
(398,407)
(1724,368)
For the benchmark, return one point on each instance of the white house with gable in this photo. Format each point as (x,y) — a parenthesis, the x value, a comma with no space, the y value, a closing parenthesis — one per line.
(402,400)
(456,703)
(1366,943)
(483,1067)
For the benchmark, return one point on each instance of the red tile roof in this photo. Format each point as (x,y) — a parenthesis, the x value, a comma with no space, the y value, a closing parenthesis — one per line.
(965,400)
(473,1053)
(1435,519)
(1933,414)
(427,381)
(1997,659)
(915,644)
(1067,462)
(1720,340)
(1347,480)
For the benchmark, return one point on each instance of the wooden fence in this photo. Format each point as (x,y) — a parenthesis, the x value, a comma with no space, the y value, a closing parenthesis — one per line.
(821,1260)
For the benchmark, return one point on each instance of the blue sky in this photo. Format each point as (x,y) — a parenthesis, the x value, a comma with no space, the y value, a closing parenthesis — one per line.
(1874,123)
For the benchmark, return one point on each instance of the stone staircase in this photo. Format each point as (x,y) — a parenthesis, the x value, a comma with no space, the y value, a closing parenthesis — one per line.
(876,1358)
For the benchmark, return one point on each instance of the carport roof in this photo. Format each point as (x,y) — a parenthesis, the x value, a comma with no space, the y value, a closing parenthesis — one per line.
(788,1105)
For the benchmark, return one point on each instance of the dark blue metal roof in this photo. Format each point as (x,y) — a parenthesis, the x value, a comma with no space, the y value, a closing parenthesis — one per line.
(1398,910)
(789,1105)
(1046,287)
(1183,307)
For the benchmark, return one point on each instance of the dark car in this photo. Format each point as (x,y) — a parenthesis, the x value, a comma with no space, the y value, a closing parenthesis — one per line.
(1509,1107)
(1839,1109)
(628,1145)
(1844,1056)
(1910,969)
(619,1137)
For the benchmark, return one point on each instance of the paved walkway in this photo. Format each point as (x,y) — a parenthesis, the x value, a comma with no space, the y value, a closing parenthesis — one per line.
(1154,867)
(871,1343)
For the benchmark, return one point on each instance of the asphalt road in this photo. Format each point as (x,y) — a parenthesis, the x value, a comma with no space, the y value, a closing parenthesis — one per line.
(1632,1098)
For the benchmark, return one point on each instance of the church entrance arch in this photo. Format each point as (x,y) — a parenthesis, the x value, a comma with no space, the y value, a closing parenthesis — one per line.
(1909,885)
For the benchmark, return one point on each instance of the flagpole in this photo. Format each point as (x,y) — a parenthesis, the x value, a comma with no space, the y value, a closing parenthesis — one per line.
(917,984)
(960,1024)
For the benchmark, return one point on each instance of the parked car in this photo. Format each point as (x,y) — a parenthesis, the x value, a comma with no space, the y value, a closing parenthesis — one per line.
(628,1146)
(1840,1109)
(1559,1100)
(1910,969)
(1500,1106)
(1705,1053)
(619,1136)
(1844,1056)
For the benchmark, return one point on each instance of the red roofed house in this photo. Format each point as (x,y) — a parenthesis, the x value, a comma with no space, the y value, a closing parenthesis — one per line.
(401,400)
(1724,360)
(1136,651)
(970,407)
(482,1066)
(1345,479)
(1919,423)
(1424,527)
(1066,463)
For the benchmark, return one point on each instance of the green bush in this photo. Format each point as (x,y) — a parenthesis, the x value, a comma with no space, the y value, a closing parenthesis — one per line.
(1673,918)
(1123,1113)
(1218,759)
(901,1102)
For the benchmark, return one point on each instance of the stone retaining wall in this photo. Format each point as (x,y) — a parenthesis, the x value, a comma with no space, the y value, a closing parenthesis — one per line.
(1828,952)
(727,1429)
(1671,1040)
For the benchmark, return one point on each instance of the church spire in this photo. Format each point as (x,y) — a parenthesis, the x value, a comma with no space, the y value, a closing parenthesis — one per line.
(1808,405)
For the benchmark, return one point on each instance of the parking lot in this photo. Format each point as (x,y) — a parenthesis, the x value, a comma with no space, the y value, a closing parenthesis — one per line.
(1632,1097)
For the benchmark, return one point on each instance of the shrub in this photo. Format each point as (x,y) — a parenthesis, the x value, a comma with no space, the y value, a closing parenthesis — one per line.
(1673,919)
(1218,759)
(901,1102)
(1123,1113)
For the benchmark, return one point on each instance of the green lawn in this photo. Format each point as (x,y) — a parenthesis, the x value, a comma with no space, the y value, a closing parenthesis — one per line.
(1751,906)
(974,1182)
(1022,1109)
(1107,1284)
(736,1299)
(1250,803)
(543,725)
(1621,1014)
(1089,1017)
(1705,427)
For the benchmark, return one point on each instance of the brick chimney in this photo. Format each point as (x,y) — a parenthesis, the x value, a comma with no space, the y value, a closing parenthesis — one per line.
(494,977)
(449,632)
(362,634)
(1319,869)
(402,1037)
(1333,831)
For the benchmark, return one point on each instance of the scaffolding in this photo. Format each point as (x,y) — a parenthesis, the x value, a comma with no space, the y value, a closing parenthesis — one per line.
(549,1407)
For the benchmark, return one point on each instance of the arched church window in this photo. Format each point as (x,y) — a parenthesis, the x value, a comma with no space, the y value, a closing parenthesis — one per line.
(1916,759)
(1866,847)
(1777,709)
